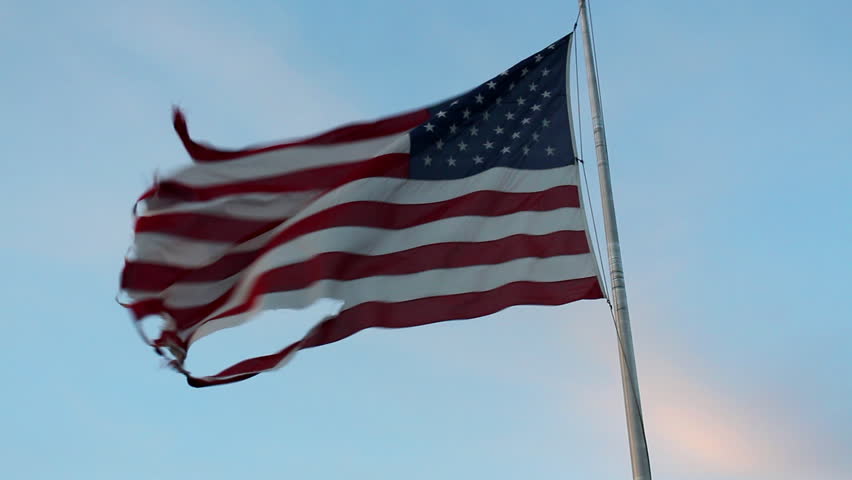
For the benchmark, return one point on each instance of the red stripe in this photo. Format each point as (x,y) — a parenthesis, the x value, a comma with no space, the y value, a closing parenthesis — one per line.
(348,133)
(152,277)
(412,313)
(201,226)
(394,165)
(347,266)
(344,266)
(145,308)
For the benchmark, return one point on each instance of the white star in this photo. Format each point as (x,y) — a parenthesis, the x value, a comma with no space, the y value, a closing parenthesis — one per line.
(505,150)
(499,99)
(545,94)
(526,150)
(479,98)
(525,71)
(427,160)
(477,159)
(455,102)
(492,84)
(545,123)
(511,85)
(516,135)
(538,57)
(486,115)
(451,161)
(510,116)
(536,107)
(488,145)
(522,100)
(545,72)
(549,150)
(429,127)
(466,113)
(504,73)
(474,131)
(441,114)
(551,47)
(533,87)
(453,128)
(498,130)
(535,136)
(439,144)
(462,146)
(525,121)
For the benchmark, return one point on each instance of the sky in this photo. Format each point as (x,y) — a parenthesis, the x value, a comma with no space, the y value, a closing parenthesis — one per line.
(729,139)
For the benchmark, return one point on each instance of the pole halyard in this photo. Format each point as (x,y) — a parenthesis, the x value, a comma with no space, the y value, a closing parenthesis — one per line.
(630,385)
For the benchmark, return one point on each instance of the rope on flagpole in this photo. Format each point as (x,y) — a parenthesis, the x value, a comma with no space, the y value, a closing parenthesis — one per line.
(618,310)
(597,246)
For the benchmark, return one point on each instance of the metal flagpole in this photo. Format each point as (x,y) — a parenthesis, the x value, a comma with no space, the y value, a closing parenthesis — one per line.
(630,385)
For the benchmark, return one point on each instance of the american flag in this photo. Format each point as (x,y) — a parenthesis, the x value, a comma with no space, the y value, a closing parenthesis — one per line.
(455,211)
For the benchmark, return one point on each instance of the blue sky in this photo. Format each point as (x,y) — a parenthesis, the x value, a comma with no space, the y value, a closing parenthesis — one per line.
(729,128)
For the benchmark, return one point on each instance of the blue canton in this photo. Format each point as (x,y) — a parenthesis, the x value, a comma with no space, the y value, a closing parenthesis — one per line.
(518,119)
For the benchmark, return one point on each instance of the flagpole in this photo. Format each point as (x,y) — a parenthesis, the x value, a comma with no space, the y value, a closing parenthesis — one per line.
(630,385)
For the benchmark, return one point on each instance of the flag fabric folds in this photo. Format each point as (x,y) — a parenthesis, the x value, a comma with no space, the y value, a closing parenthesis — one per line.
(455,211)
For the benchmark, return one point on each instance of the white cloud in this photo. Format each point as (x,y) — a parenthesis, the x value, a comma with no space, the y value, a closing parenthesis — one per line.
(109,125)
(229,67)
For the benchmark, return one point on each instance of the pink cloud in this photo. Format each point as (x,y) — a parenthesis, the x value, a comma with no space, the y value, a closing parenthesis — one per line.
(699,424)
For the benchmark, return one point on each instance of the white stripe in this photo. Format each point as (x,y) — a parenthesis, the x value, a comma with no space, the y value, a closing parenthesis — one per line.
(182,252)
(431,283)
(504,179)
(287,160)
(375,241)
(162,249)
(248,206)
